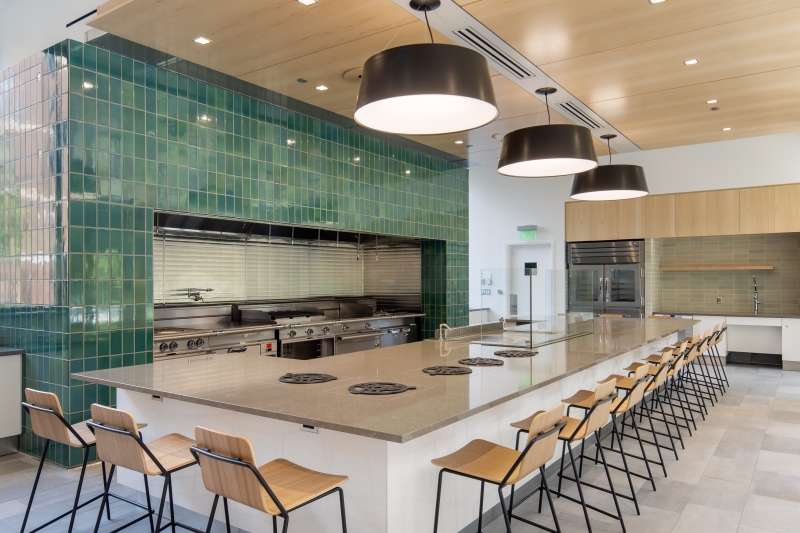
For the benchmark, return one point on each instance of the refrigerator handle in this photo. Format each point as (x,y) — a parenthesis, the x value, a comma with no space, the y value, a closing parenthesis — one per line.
(608,291)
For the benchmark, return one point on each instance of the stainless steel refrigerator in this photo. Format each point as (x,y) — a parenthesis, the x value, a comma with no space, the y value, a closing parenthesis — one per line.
(618,277)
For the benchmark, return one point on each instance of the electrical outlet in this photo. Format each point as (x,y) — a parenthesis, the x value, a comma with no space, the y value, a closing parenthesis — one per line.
(719,300)
(486,292)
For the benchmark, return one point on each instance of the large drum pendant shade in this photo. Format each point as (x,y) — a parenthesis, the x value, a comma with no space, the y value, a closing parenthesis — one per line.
(548,150)
(610,182)
(426,89)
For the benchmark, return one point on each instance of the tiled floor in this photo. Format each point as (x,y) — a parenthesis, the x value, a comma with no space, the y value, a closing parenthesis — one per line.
(739,473)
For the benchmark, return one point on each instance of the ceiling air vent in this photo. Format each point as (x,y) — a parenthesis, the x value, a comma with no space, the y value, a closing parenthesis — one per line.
(483,45)
(580,116)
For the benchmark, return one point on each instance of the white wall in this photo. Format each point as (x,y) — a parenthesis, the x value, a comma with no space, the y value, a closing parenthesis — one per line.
(498,204)
(30,26)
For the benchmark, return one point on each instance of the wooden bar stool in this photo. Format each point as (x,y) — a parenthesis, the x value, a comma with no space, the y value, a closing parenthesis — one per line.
(716,380)
(48,422)
(491,463)
(228,465)
(579,430)
(715,351)
(120,444)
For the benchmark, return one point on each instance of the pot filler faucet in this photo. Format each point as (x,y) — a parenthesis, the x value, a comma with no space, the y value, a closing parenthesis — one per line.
(755,295)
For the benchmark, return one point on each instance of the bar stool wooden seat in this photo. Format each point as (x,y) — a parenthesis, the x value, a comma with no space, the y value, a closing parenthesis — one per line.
(492,463)
(228,465)
(48,422)
(119,443)
(576,430)
(610,315)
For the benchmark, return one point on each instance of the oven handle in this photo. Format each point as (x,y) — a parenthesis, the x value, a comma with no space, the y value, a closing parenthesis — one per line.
(241,349)
(361,336)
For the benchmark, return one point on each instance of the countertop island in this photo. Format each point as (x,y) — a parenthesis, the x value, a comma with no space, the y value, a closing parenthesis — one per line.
(384,443)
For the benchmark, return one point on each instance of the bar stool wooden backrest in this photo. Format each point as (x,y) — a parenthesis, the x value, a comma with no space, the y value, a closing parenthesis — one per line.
(661,375)
(544,434)
(118,440)
(232,480)
(601,410)
(636,394)
(47,418)
(719,331)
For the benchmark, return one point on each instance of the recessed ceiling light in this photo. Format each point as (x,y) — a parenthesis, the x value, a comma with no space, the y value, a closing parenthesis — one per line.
(714,109)
(690,62)
(408,172)
(356,158)
(459,142)
(202,40)
(307,2)
(87,85)
(657,1)
(469,146)
(321,88)
(711,101)
(290,141)
(726,129)
(497,136)
(204,118)
(301,80)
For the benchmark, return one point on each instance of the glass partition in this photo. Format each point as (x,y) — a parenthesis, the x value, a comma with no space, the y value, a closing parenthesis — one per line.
(525,308)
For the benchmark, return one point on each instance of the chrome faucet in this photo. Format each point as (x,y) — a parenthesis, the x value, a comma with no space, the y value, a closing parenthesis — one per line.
(194,294)
(443,327)
(755,295)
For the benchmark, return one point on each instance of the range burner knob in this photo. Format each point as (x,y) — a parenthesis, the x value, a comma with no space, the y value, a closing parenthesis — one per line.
(309,331)
(173,345)
(326,330)
(190,344)
(199,342)
(293,333)
(163,346)
(345,327)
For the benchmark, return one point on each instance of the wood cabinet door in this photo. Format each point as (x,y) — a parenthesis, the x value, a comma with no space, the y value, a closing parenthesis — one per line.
(659,216)
(604,221)
(690,214)
(630,219)
(757,210)
(578,221)
(722,212)
(787,208)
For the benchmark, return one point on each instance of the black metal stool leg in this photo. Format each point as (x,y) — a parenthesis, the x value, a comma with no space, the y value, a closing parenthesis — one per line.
(160,505)
(78,493)
(549,499)
(228,519)
(503,509)
(147,497)
(438,499)
(580,491)
(611,485)
(211,516)
(35,484)
(108,508)
(480,508)
(341,506)
(105,498)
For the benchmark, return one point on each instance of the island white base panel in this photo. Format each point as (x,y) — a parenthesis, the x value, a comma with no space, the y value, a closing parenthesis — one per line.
(392,487)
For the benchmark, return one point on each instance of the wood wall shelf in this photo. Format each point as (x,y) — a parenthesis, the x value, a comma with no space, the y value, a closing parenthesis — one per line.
(690,268)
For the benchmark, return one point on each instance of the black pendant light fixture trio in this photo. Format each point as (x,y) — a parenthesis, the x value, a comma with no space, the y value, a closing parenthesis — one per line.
(548,150)
(426,89)
(610,182)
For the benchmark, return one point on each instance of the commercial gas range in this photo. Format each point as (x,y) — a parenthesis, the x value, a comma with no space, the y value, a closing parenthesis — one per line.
(298,331)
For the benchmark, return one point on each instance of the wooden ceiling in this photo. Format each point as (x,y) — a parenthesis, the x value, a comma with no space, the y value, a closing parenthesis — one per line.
(622,58)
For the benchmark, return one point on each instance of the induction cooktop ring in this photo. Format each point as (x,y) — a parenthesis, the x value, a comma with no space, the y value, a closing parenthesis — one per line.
(379,388)
(306,379)
(515,353)
(443,370)
(481,361)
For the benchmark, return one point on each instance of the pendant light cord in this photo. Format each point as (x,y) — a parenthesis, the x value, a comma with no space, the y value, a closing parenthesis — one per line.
(429,25)
(609,150)
(547,105)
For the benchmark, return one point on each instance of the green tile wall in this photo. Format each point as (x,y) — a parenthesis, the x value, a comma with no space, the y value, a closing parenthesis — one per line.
(120,139)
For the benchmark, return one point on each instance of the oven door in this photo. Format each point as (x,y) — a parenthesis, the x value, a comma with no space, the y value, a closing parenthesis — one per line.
(358,342)
(306,348)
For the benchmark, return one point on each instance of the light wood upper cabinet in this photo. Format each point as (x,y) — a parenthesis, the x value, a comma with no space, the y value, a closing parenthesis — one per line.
(757,210)
(690,214)
(578,221)
(722,212)
(630,219)
(659,216)
(787,208)
(604,221)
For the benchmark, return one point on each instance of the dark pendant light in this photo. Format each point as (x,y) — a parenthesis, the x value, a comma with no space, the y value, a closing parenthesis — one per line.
(549,150)
(610,182)
(426,89)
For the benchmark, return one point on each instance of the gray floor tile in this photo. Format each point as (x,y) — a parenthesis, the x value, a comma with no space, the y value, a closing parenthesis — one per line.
(784,463)
(720,494)
(776,443)
(670,495)
(776,485)
(730,469)
(771,514)
(783,429)
(744,434)
(790,417)
(701,519)
(741,451)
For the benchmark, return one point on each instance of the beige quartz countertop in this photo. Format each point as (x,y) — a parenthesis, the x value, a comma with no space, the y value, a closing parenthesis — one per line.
(761,314)
(249,383)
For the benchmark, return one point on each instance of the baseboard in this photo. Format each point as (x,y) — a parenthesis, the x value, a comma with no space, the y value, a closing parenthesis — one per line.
(791,365)
(9,445)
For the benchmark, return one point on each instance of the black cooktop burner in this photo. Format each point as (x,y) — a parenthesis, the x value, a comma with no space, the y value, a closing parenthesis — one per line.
(305,379)
(481,361)
(447,370)
(515,353)
(379,388)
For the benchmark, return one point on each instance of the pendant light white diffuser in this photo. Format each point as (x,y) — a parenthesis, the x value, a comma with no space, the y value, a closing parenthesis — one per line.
(426,89)
(610,182)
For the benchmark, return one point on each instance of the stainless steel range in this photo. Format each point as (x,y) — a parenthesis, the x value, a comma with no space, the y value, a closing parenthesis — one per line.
(301,330)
